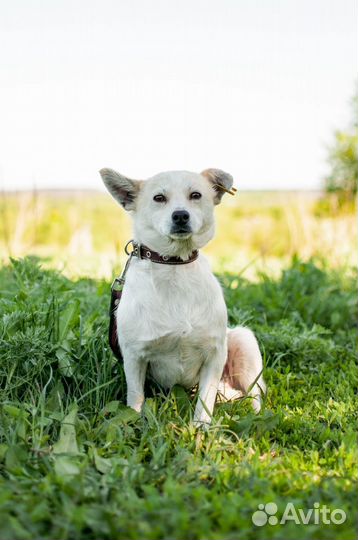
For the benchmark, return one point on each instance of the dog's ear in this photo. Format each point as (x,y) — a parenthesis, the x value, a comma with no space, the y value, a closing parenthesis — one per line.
(220,180)
(123,189)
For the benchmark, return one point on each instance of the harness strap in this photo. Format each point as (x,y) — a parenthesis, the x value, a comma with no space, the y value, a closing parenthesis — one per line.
(116,294)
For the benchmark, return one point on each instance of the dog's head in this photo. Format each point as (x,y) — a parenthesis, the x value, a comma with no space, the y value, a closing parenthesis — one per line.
(173,212)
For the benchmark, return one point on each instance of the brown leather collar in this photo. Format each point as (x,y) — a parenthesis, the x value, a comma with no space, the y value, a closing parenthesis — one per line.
(143,252)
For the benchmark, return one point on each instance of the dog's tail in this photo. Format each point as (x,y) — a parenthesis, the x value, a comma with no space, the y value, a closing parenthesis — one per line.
(242,373)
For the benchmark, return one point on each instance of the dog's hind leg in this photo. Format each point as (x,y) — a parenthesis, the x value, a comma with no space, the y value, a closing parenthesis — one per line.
(242,373)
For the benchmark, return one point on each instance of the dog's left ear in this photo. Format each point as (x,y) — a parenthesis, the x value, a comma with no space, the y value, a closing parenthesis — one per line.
(220,180)
(123,189)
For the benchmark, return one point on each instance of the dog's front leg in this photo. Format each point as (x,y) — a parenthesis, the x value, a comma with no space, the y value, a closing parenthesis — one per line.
(210,375)
(135,370)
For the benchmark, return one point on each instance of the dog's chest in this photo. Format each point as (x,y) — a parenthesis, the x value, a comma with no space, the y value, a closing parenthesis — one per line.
(173,317)
(161,301)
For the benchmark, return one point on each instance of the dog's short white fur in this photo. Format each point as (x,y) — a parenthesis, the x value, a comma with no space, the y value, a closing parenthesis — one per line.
(172,319)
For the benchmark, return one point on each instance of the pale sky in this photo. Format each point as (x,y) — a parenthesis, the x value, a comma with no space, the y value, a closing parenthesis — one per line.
(255,87)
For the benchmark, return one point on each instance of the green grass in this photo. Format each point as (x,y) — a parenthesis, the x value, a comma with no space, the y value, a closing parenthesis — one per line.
(77,464)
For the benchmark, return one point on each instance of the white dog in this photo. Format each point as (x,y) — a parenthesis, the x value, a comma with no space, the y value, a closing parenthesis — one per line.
(172,318)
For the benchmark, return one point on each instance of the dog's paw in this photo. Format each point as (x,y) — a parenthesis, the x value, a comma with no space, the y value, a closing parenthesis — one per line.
(136,405)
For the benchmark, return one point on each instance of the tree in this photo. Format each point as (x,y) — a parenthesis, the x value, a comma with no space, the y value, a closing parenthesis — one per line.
(343,161)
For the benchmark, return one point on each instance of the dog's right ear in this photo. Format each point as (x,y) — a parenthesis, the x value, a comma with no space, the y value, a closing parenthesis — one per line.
(123,189)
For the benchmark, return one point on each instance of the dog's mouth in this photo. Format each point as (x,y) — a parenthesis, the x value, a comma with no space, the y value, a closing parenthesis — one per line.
(180,233)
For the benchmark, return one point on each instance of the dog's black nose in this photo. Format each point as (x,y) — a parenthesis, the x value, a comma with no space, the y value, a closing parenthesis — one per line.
(180,217)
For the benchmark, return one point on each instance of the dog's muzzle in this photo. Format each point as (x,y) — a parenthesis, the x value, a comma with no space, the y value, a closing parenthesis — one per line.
(180,223)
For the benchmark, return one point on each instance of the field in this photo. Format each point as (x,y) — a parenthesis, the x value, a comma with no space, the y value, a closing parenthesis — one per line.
(83,233)
(77,464)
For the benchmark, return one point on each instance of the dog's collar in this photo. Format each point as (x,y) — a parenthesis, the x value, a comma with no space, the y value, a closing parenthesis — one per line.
(143,252)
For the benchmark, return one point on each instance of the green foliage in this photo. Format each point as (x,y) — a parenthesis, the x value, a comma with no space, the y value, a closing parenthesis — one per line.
(77,464)
(343,162)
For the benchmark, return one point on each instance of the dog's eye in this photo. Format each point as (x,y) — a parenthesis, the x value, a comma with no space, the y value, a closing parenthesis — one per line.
(159,198)
(195,195)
